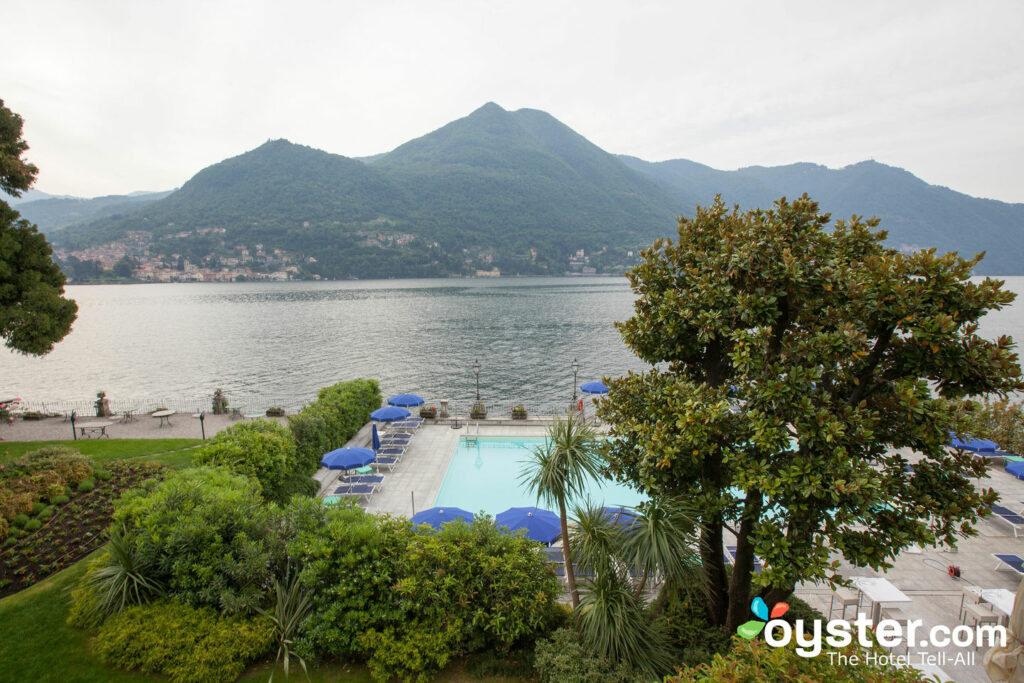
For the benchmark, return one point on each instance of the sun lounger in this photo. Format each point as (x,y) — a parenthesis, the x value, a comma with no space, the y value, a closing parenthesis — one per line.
(377,479)
(395,437)
(386,461)
(1016,469)
(355,491)
(730,558)
(1009,516)
(391,451)
(1012,562)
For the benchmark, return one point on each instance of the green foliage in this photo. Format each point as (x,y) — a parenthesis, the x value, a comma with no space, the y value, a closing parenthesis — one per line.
(752,660)
(690,632)
(38,507)
(791,365)
(292,608)
(101,474)
(261,450)
(46,514)
(16,174)
(120,577)
(562,658)
(413,653)
(483,588)
(205,533)
(299,484)
(334,418)
(59,500)
(184,643)
(21,520)
(32,525)
(86,485)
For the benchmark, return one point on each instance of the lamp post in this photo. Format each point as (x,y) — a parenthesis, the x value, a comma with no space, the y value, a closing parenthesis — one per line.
(575,371)
(476,371)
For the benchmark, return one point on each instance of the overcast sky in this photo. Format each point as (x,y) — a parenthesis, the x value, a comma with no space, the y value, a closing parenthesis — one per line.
(120,96)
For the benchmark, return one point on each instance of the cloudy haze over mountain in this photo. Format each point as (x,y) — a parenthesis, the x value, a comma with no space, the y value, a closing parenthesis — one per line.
(121,96)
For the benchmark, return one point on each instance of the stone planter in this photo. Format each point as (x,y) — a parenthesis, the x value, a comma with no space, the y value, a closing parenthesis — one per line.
(478,412)
(428,413)
(518,414)
(275,412)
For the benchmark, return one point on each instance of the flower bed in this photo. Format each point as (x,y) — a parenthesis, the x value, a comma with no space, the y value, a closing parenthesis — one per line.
(69,532)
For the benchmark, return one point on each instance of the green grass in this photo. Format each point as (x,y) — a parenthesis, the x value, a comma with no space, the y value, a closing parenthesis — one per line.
(174,452)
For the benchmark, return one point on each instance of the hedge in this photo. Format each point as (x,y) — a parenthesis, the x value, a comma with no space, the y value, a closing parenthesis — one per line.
(334,418)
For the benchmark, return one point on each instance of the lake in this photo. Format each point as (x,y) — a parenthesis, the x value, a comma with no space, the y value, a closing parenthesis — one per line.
(277,343)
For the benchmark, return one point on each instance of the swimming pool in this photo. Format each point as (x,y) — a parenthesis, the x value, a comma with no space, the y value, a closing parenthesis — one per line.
(484,475)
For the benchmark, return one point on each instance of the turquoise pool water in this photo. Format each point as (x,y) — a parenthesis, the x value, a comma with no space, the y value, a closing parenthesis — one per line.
(485,476)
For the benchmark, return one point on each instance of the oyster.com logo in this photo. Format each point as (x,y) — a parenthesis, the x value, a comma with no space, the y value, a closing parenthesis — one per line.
(752,628)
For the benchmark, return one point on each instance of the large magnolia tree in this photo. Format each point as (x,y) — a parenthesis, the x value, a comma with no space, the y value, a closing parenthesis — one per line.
(793,368)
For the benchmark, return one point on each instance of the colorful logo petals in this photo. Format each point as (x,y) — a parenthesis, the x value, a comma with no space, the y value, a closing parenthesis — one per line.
(752,628)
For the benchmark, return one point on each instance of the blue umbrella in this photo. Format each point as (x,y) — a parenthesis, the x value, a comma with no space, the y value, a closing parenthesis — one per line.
(389,414)
(405,400)
(594,388)
(435,517)
(376,439)
(976,445)
(621,516)
(347,458)
(539,525)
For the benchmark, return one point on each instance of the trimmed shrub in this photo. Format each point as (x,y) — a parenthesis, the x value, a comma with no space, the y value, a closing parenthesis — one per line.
(484,589)
(752,660)
(10,541)
(46,514)
(101,474)
(299,484)
(71,466)
(4,528)
(204,531)
(334,418)
(413,653)
(32,525)
(562,658)
(261,450)
(182,642)
(86,485)
(59,500)
(21,520)
(37,507)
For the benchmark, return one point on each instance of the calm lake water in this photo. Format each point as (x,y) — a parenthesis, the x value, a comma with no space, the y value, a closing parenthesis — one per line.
(277,343)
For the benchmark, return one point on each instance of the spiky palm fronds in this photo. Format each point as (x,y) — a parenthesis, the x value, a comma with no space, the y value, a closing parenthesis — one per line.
(292,607)
(121,578)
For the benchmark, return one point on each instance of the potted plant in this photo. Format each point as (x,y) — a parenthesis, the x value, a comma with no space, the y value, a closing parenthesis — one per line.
(430,412)
(519,412)
(275,411)
(479,411)
(220,402)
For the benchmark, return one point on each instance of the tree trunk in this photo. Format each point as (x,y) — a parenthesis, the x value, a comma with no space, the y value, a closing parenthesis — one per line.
(715,581)
(570,576)
(739,585)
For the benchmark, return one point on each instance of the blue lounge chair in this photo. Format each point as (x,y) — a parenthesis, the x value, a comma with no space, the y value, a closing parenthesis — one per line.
(391,451)
(355,491)
(1011,562)
(730,558)
(395,438)
(386,461)
(1009,516)
(1016,469)
(377,479)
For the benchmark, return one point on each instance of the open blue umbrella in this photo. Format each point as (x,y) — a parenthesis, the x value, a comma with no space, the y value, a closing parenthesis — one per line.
(405,400)
(594,388)
(389,414)
(376,439)
(347,458)
(539,525)
(435,517)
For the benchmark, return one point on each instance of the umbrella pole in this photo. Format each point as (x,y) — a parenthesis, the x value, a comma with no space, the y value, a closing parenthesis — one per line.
(412,495)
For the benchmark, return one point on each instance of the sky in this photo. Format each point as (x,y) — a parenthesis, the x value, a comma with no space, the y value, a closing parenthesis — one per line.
(121,96)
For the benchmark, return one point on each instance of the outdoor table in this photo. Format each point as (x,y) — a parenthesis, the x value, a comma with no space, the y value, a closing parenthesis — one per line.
(236,410)
(878,590)
(129,414)
(97,428)
(165,416)
(1000,598)
(365,469)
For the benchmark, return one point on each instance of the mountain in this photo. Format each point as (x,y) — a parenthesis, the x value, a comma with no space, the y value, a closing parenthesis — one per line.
(30,196)
(52,213)
(915,214)
(516,190)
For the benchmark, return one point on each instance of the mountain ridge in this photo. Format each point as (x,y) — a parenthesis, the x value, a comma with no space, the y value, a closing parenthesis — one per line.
(521,191)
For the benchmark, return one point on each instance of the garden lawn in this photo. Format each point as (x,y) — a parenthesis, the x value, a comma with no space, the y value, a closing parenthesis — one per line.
(173,452)
(36,644)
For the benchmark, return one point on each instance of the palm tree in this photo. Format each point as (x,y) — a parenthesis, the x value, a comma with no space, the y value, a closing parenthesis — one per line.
(560,469)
